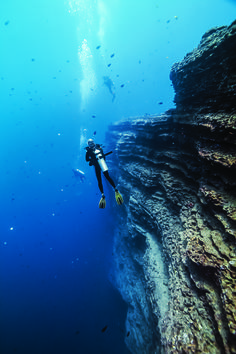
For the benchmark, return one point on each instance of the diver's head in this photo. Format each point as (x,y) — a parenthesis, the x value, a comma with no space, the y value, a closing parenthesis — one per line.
(91,143)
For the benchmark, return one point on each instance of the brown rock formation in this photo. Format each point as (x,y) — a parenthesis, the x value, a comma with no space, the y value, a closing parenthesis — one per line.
(175,248)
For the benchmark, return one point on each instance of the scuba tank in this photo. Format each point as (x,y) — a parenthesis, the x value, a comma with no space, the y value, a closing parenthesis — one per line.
(101,160)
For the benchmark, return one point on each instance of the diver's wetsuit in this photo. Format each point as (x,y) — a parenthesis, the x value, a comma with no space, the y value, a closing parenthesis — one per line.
(91,157)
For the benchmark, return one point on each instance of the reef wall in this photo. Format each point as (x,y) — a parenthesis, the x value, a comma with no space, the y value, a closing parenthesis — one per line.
(175,248)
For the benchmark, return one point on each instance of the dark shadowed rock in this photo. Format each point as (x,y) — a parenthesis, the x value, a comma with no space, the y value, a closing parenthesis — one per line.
(175,247)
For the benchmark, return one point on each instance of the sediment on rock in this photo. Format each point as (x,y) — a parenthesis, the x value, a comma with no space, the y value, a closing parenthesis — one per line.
(175,248)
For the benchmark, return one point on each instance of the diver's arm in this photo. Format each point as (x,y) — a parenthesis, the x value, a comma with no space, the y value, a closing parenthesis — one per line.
(88,156)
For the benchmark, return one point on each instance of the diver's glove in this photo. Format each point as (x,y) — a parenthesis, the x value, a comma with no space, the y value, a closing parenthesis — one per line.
(102,203)
(119,199)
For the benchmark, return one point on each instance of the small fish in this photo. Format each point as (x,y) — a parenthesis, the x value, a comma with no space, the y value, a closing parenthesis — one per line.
(93,116)
(32,59)
(6,23)
(160,102)
(109,65)
(128,333)
(139,62)
(94,133)
(112,55)
(98,47)
(104,329)
(168,21)
(122,85)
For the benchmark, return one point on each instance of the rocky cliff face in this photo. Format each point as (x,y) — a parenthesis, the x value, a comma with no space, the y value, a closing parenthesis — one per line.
(175,248)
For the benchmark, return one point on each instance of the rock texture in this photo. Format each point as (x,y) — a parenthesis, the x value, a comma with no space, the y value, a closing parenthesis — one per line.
(175,248)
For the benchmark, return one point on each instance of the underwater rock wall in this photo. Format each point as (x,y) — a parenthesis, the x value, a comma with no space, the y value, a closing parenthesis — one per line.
(174,248)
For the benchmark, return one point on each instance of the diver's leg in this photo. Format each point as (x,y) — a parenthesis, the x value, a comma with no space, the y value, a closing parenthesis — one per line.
(110,180)
(118,196)
(102,203)
(99,178)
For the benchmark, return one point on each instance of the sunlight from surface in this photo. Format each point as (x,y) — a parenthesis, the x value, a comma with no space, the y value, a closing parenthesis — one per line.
(103,18)
(88,82)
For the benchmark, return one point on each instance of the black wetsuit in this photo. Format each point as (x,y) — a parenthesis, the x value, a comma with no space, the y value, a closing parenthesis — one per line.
(91,157)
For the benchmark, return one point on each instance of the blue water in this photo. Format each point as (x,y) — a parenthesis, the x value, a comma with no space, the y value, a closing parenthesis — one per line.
(56,292)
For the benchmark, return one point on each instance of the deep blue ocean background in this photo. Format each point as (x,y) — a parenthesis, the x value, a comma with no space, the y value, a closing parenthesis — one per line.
(56,292)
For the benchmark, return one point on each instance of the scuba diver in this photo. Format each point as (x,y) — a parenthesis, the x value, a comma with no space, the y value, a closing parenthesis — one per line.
(79,175)
(110,85)
(96,157)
